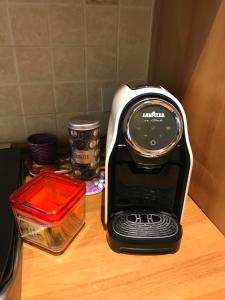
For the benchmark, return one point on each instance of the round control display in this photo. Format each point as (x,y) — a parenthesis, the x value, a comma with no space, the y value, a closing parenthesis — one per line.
(153,127)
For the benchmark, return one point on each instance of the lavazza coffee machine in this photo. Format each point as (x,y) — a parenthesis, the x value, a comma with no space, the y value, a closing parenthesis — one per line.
(148,168)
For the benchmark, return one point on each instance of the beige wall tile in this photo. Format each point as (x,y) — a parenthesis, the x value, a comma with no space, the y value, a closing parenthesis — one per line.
(66,24)
(108,93)
(29,24)
(136,3)
(70,97)
(36,45)
(41,123)
(34,64)
(4,28)
(102,2)
(68,63)
(7,66)
(101,63)
(103,118)
(9,100)
(12,129)
(76,2)
(100,95)
(94,96)
(134,26)
(63,121)
(28,1)
(133,63)
(38,99)
(102,25)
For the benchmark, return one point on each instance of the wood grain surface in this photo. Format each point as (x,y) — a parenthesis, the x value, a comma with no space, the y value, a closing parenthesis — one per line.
(180,32)
(187,58)
(89,270)
(205,107)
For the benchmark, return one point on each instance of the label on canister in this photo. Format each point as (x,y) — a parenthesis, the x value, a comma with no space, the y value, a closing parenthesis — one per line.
(85,152)
(84,157)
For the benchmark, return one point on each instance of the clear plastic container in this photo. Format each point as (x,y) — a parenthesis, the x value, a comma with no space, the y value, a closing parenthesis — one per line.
(50,210)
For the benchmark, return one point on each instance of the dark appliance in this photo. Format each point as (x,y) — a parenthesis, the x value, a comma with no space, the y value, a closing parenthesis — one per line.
(10,243)
(148,167)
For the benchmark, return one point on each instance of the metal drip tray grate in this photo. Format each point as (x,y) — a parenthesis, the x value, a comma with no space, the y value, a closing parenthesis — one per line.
(145,225)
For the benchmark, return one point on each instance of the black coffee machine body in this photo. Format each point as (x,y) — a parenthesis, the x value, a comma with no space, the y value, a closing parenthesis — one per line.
(148,168)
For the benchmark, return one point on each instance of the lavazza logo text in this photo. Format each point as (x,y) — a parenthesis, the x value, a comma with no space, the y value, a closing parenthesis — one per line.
(153,115)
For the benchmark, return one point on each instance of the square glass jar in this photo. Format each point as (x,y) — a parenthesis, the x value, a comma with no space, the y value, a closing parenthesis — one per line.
(50,210)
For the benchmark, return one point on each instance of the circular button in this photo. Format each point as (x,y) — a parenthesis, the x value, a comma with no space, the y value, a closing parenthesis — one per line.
(153,142)
(152,127)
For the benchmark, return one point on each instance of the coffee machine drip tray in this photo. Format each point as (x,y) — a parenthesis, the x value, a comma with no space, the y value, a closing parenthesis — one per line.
(144,232)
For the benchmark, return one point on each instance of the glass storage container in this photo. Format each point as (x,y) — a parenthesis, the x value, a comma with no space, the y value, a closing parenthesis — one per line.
(50,210)
(85,148)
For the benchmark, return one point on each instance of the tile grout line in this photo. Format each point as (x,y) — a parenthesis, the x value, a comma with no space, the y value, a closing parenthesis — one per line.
(70,45)
(102,101)
(40,114)
(53,82)
(85,54)
(50,81)
(16,68)
(150,38)
(24,3)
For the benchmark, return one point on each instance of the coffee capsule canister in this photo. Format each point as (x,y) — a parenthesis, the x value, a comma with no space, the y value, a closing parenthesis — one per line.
(84,138)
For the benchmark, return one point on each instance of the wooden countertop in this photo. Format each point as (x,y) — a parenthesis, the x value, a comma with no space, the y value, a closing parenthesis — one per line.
(89,270)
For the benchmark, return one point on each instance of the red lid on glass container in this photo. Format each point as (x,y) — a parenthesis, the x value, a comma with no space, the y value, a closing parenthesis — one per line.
(48,196)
